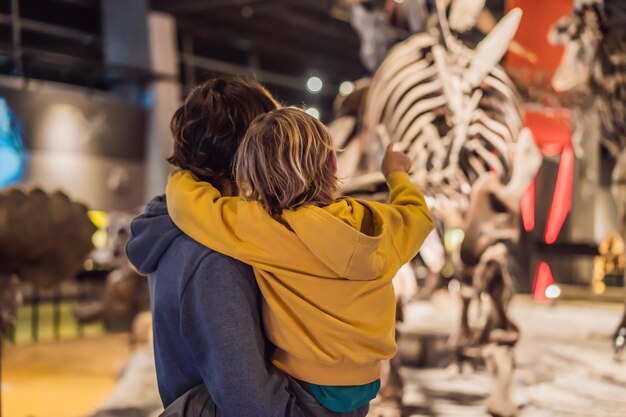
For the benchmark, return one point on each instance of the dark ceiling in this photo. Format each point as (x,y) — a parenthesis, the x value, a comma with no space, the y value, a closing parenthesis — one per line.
(60,40)
(282,41)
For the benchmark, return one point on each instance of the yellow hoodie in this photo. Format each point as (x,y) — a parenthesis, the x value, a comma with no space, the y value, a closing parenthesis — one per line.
(324,272)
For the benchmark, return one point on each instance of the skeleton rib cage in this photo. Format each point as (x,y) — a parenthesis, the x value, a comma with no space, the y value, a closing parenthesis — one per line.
(450,147)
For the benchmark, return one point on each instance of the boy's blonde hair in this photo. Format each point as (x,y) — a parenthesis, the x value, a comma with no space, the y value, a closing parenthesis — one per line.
(286,161)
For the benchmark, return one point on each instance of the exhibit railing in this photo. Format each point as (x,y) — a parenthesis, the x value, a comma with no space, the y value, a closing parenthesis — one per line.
(49,314)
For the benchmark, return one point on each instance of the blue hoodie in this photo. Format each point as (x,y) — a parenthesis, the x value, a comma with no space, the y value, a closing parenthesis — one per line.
(206,309)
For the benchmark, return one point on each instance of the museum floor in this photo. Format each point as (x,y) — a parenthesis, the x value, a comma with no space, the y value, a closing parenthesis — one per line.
(564,363)
(564,366)
(61,379)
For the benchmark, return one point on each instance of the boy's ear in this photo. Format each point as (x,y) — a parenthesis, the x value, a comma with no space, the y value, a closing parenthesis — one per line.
(332,161)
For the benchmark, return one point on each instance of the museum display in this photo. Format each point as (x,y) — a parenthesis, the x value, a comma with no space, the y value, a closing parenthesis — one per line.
(512,113)
(126,292)
(457,115)
(44,240)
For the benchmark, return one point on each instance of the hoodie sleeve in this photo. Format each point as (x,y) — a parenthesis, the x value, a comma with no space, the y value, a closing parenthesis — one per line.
(227,343)
(225,224)
(200,211)
(408,215)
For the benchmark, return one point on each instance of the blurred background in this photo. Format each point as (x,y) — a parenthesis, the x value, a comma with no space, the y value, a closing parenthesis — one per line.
(87,90)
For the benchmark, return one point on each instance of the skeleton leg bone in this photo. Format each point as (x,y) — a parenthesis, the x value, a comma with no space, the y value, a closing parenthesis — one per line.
(499,328)
(10,301)
(389,400)
(618,189)
(501,362)
(619,343)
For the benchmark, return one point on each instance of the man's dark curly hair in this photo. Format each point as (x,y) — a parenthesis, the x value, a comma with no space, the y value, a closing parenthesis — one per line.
(211,123)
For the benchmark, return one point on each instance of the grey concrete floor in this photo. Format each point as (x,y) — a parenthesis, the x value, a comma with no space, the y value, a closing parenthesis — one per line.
(564,362)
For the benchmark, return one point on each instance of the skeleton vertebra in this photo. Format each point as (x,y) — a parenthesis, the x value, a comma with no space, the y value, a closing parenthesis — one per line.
(594,62)
(126,292)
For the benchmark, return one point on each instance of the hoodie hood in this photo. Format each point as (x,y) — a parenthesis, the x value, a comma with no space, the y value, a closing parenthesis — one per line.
(151,234)
(347,236)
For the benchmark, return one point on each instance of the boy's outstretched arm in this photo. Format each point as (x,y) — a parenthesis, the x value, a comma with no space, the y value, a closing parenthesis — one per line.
(200,211)
(409,216)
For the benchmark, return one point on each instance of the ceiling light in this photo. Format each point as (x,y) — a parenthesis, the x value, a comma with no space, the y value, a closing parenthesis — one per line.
(346,88)
(314,84)
(313,112)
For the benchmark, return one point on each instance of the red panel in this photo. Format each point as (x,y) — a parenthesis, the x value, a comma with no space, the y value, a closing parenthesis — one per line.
(552,132)
(528,207)
(539,16)
(562,199)
(543,279)
(551,129)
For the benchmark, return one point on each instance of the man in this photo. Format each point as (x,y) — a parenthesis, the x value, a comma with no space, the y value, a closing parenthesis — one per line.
(206,306)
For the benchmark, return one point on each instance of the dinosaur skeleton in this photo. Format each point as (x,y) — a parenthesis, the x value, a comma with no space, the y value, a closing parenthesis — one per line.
(594,64)
(44,239)
(456,114)
(126,292)
(453,111)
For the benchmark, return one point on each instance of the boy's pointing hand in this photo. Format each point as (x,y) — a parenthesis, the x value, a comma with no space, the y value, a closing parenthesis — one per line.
(395,161)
